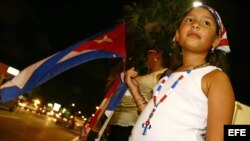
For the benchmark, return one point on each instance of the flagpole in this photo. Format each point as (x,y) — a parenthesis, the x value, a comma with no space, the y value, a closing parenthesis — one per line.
(104,126)
(98,114)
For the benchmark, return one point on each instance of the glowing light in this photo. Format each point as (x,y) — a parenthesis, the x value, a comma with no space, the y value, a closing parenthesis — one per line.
(197,3)
(13,71)
(56,107)
(79,112)
(37,101)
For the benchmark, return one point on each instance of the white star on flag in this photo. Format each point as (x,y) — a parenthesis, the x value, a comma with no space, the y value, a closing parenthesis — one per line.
(105,39)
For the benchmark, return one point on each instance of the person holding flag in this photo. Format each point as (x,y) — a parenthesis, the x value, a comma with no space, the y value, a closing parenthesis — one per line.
(126,113)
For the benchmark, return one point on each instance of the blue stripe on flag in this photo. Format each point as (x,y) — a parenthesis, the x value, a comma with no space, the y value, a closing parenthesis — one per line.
(120,91)
(40,75)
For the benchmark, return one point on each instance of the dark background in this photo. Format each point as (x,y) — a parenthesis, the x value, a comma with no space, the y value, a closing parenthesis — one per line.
(33,30)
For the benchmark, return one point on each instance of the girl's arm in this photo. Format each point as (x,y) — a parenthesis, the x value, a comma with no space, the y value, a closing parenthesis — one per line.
(221,101)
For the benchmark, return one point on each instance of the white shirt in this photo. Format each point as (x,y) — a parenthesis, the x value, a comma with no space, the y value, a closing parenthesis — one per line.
(182,116)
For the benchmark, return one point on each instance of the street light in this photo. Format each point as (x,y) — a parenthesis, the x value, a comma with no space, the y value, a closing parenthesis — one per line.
(197,3)
(13,71)
(79,112)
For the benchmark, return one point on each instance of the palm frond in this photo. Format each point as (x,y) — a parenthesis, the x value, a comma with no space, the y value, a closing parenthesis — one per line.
(152,23)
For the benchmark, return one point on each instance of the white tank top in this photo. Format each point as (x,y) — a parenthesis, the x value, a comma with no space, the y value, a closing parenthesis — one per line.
(182,116)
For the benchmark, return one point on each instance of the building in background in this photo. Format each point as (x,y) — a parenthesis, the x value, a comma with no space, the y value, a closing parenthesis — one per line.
(6,73)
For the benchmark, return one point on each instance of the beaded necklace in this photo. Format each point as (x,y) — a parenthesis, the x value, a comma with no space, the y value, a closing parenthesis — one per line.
(146,125)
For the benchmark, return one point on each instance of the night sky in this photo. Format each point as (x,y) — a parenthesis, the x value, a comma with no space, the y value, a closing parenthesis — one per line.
(33,30)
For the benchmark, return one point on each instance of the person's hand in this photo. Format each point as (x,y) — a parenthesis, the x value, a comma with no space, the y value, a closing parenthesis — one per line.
(130,79)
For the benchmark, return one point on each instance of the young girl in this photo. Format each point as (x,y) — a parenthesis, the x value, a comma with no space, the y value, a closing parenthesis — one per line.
(196,100)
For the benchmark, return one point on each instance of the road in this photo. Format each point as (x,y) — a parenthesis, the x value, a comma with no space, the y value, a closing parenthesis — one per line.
(26,126)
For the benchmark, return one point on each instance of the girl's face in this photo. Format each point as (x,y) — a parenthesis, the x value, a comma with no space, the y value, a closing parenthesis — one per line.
(197,31)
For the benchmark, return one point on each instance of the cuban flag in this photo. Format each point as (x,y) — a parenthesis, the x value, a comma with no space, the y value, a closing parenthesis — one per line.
(114,102)
(106,44)
(111,100)
(118,94)
(105,102)
(107,106)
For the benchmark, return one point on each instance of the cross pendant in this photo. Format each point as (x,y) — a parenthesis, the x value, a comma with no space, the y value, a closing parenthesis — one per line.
(146,126)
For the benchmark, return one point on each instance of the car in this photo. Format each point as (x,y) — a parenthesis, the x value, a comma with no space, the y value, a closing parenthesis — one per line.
(9,105)
(68,121)
(79,122)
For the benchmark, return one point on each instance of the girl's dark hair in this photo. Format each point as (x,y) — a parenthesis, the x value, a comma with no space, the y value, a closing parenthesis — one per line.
(216,57)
